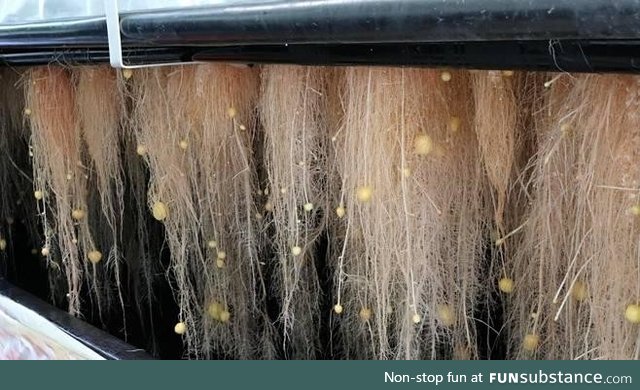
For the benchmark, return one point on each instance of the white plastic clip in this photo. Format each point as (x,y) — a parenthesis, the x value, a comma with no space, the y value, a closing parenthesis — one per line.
(112,15)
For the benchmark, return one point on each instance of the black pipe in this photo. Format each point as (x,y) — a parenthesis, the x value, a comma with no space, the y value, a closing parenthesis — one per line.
(563,56)
(76,33)
(569,56)
(385,21)
(75,56)
(344,21)
(570,35)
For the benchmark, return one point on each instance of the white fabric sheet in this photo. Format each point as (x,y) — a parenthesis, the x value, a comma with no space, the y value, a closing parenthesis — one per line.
(30,11)
(25,335)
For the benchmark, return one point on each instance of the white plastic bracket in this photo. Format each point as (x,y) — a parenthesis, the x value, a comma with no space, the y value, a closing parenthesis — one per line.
(112,14)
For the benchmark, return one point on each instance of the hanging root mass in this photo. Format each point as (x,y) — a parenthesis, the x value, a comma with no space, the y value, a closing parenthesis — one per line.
(310,212)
